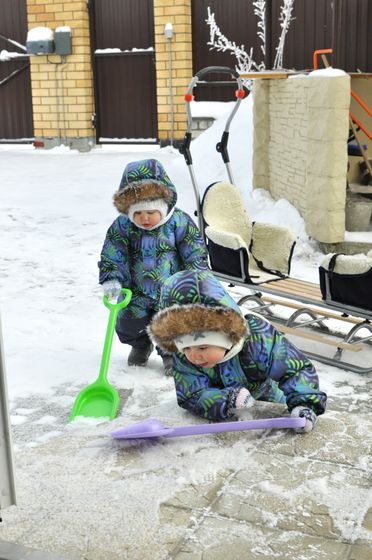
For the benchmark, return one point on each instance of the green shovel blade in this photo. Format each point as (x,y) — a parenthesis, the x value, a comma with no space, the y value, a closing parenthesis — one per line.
(96,401)
(100,399)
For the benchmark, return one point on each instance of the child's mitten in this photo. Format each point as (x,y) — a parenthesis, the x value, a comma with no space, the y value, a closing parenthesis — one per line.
(244,399)
(304,412)
(111,288)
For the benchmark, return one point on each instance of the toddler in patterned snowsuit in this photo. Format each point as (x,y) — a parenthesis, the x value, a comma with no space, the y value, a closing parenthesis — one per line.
(150,240)
(222,361)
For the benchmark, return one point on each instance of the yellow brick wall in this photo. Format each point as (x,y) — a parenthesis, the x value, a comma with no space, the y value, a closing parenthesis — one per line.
(62,93)
(178,13)
(62,87)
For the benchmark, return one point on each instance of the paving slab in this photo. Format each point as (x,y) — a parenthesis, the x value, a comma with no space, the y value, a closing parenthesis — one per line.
(243,495)
(11,551)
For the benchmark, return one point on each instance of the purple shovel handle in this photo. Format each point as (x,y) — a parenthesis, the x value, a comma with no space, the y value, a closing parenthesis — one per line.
(264,424)
(152,428)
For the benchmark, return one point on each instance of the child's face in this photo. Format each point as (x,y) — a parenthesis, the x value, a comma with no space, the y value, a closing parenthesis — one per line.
(206,356)
(147,218)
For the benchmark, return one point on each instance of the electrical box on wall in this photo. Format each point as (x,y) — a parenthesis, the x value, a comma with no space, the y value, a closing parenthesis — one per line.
(40,40)
(62,41)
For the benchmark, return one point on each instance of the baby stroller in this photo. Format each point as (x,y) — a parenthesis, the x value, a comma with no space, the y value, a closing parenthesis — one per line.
(240,251)
(257,256)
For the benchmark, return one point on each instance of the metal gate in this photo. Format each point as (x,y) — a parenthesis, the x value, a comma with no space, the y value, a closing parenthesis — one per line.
(124,70)
(16,123)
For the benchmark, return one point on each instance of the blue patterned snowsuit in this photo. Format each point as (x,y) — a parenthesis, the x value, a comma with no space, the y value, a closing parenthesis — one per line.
(141,260)
(268,365)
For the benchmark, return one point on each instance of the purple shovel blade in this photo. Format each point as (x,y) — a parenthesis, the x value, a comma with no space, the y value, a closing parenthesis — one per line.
(154,428)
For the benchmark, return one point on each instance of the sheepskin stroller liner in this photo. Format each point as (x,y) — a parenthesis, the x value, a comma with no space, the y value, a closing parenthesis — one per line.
(252,252)
(347,280)
(290,293)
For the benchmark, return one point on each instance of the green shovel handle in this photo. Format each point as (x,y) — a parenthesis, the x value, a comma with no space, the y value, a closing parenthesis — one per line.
(114,310)
(121,304)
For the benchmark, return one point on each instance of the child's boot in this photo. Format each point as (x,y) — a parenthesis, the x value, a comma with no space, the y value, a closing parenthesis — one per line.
(139,356)
(168,364)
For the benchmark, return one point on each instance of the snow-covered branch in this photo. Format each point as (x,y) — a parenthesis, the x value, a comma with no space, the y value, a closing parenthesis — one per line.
(245,62)
(285,19)
(219,42)
(260,11)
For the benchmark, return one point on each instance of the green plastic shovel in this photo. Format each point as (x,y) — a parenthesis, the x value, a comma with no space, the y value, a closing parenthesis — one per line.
(100,399)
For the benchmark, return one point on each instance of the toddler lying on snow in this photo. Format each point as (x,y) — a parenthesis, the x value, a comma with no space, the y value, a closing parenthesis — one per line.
(223,362)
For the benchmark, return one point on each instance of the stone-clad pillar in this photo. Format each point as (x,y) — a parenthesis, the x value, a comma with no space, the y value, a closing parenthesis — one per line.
(301,127)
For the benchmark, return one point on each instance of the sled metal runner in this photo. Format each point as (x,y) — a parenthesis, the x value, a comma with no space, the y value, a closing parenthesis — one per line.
(311,312)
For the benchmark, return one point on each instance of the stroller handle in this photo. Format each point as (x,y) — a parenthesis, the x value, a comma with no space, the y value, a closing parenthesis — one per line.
(239,93)
(221,146)
(215,69)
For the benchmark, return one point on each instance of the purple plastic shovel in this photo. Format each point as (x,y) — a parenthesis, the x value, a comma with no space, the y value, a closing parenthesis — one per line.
(152,428)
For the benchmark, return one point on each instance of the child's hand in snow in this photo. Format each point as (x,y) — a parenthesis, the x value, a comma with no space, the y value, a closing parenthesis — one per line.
(304,412)
(244,399)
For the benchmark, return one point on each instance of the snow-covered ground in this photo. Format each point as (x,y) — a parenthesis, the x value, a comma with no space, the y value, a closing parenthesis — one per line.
(55,209)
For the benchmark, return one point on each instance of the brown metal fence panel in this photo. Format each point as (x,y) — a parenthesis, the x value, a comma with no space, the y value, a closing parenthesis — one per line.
(15,83)
(238,23)
(352,43)
(126,105)
(125,84)
(124,23)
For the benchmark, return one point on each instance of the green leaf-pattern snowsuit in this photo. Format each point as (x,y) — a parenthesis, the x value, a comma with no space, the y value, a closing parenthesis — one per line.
(268,364)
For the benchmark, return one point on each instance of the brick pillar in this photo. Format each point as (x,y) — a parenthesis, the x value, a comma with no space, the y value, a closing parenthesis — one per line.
(62,87)
(178,13)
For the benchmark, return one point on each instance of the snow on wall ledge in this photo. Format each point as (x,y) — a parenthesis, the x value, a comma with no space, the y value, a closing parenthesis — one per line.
(301,128)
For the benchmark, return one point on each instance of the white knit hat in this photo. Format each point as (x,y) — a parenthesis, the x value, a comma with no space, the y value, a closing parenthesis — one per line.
(158,204)
(203,338)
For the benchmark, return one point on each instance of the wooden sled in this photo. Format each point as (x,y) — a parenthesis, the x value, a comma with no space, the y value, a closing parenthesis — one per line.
(259,262)
(341,328)
(306,314)
(237,256)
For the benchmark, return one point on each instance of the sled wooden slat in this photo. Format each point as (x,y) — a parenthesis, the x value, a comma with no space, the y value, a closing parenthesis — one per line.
(292,286)
(317,338)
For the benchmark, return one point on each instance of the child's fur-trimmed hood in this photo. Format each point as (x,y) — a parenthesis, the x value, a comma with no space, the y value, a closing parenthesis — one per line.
(144,180)
(191,302)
